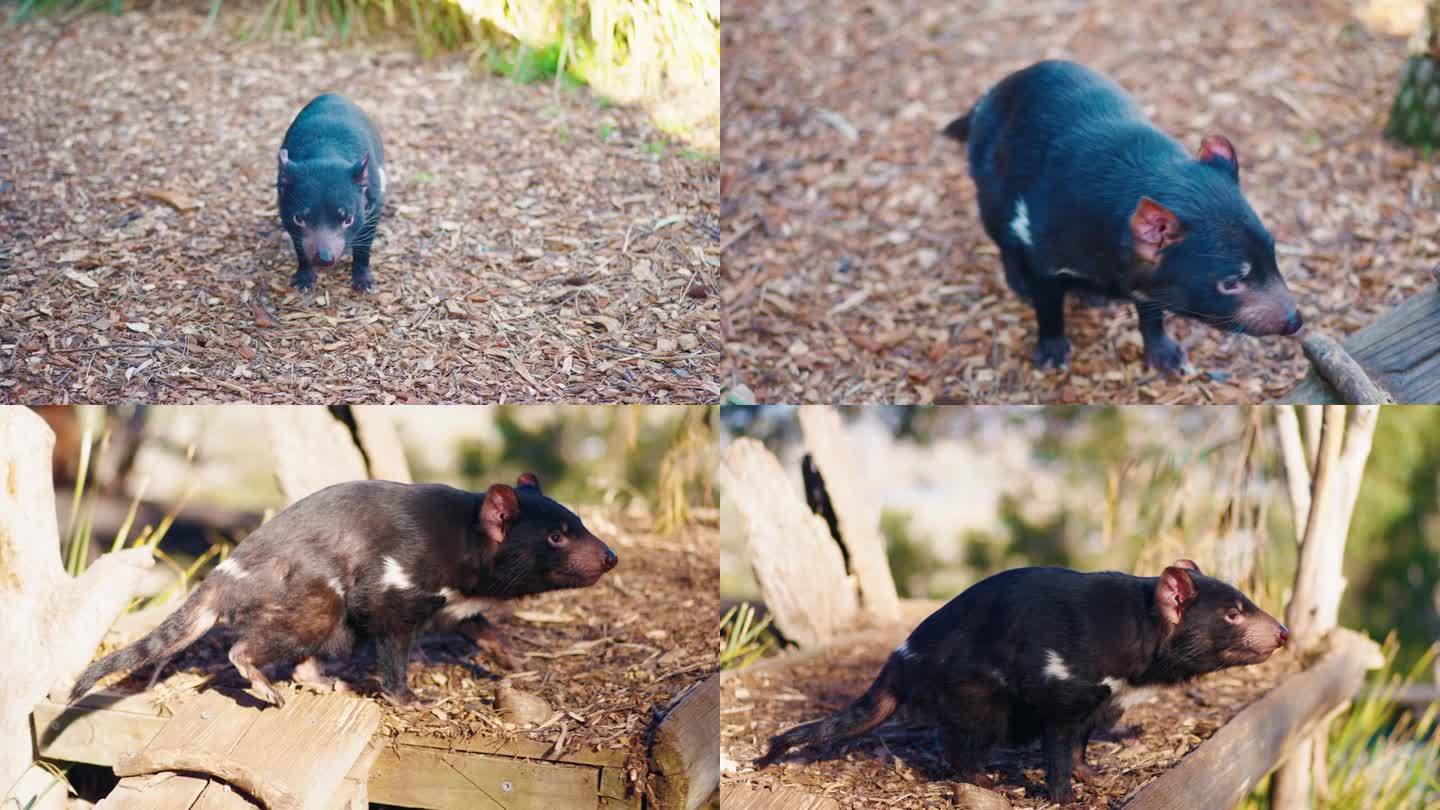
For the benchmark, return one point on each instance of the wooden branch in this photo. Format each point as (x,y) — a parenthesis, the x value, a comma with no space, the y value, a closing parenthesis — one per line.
(685,749)
(799,568)
(272,795)
(856,510)
(1228,766)
(1297,471)
(1341,371)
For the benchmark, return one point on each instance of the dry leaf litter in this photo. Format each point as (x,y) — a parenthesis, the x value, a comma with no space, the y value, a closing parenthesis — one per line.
(536,245)
(856,268)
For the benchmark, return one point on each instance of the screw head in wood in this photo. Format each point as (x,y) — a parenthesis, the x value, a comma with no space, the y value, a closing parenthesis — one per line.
(506,787)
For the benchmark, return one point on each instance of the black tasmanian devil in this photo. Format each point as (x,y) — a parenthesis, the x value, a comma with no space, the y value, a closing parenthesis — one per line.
(1054,654)
(331,187)
(382,558)
(1080,192)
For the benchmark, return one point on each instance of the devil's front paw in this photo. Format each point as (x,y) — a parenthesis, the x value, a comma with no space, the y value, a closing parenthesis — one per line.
(1167,357)
(1052,353)
(362,282)
(303,280)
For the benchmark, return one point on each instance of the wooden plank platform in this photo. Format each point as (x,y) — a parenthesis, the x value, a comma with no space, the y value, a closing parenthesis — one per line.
(409,771)
(1400,352)
(221,751)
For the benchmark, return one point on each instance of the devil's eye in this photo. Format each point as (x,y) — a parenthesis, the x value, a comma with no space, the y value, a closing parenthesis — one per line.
(349,221)
(556,538)
(1232,615)
(297,220)
(1230,285)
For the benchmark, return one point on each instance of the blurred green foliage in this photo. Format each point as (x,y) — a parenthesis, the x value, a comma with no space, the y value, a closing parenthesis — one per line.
(1392,558)
(664,54)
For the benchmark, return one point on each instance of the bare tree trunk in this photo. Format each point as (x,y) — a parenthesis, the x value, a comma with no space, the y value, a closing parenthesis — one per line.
(856,511)
(796,561)
(1322,519)
(51,623)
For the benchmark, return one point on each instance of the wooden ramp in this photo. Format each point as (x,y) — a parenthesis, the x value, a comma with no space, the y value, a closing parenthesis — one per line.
(410,770)
(226,751)
(1399,354)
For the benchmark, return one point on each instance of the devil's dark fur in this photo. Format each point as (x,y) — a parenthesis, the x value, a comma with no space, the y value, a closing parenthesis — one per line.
(1052,654)
(331,188)
(1063,160)
(378,557)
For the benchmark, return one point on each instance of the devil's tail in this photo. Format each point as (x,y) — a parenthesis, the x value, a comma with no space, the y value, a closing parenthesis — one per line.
(179,630)
(868,711)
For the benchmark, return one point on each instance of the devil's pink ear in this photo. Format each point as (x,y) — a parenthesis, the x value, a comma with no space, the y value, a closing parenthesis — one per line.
(500,509)
(361,170)
(1176,588)
(1154,228)
(1188,565)
(1219,149)
(528,479)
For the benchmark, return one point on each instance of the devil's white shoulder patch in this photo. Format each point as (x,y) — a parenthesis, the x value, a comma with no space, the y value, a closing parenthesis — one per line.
(1020,225)
(463,607)
(231,568)
(1055,666)
(336,586)
(394,576)
(1127,695)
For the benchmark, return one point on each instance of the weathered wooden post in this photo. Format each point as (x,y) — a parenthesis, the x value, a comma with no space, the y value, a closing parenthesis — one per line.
(1323,489)
(55,619)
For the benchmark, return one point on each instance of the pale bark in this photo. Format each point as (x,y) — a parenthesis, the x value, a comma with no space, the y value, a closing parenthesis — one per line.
(857,511)
(312,450)
(51,622)
(1339,467)
(1297,469)
(801,573)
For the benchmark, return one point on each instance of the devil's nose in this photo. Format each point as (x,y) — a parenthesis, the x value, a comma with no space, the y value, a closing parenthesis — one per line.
(610,559)
(1284,635)
(325,256)
(1293,323)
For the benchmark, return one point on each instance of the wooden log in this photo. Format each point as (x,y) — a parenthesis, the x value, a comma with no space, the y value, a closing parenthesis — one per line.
(1400,351)
(1224,769)
(796,561)
(685,748)
(857,511)
(1342,372)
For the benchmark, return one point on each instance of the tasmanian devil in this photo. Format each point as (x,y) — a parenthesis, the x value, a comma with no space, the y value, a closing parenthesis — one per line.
(1054,654)
(381,558)
(331,188)
(1080,192)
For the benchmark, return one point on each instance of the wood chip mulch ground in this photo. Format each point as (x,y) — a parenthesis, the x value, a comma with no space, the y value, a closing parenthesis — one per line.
(536,245)
(856,268)
(902,766)
(603,658)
